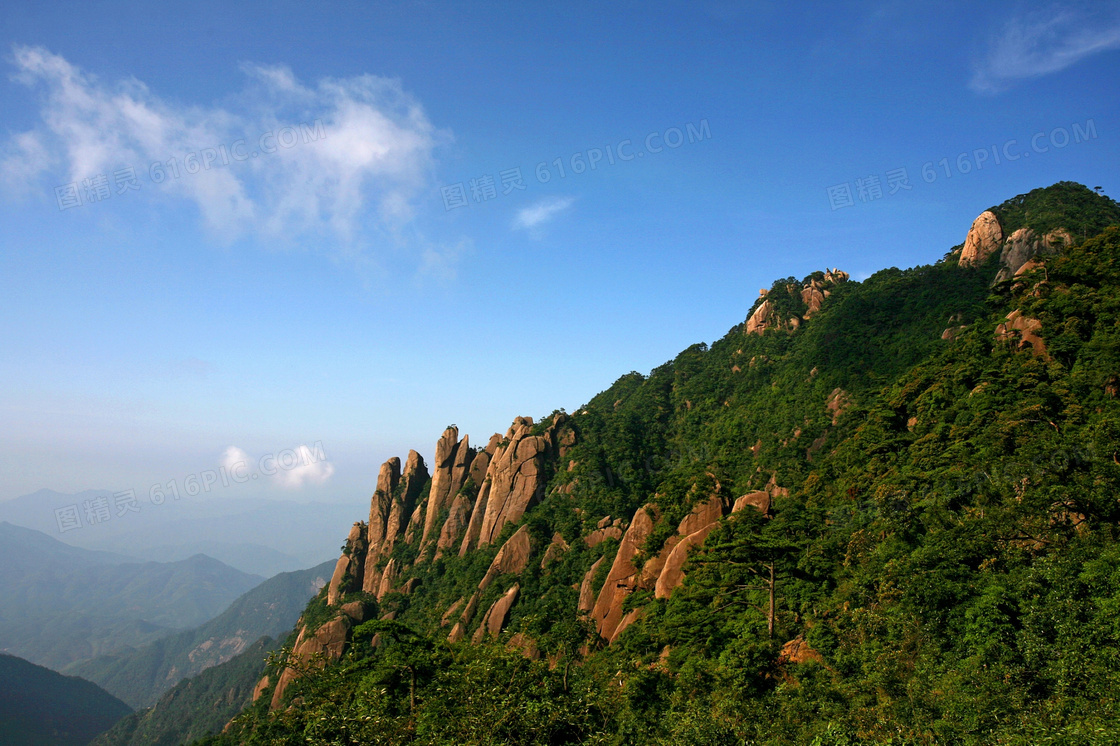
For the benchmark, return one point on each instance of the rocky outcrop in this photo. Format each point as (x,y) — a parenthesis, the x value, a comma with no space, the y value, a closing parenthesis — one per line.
(449,473)
(323,645)
(557,548)
(348,570)
(391,510)
(984,239)
(496,616)
(692,531)
(836,403)
(1024,245)
(621,579)
(586,587)
(480,476)
(516,476)
(512,558)
(760,501)
(1024,332)
(812,295)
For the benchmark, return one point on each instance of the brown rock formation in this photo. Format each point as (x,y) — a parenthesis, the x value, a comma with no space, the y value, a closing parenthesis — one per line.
(812,294)
(449,473)
(496,616)
(557,548)
(798,651)
(327,642)
(480,469)
(513,557)
(836,403)
(347,575)
(760,501)
(984,238)
(762,319)
(258,690)
(388,578)
(692,531)
(516,477)
(599,535)
(1024,330)
(586,589)
(457,519)
(1024,245)
(621,580)
(451,611)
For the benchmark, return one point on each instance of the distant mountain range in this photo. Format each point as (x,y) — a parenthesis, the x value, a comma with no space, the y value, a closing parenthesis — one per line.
(61,604)
(257,536)
(43,708)
(141,676)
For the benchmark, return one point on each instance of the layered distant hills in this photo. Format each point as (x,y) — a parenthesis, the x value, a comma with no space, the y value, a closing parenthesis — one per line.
(62,604)
(873,512)
(141,676)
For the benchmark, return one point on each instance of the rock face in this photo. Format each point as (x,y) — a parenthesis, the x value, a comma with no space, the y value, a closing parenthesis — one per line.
(512,558)
(390,512)
(983,240)
(349,568)
(516,476)
(621,580)
(691,532)
(329,641)
(1024,245)
(449,473)
(480,474)
(495,618)
(760,501)
(587,589)
(1024,331)
(812,295)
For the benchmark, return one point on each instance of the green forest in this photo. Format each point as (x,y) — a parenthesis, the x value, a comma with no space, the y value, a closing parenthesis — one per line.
(936,561)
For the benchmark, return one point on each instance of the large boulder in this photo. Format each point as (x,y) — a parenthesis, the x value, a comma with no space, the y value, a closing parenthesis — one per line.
(983,240)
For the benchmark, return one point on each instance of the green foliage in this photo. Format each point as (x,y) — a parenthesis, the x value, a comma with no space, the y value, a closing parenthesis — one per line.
(197,707)
(940,567)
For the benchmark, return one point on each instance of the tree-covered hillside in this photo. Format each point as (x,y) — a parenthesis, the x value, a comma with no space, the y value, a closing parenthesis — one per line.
(39,707)
(887,513)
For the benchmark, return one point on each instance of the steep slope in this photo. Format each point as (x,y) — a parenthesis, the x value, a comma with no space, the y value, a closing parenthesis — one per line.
(140,677)
(63,604)
(44,708)
(196,707)
(888,512)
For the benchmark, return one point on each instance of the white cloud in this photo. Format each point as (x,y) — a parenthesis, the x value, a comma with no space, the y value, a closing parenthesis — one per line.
(1040,45)
(290,469)
(235,458)
(359,178)
(308,470)
(542,212)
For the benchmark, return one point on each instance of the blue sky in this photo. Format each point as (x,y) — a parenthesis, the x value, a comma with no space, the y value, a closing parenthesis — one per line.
(313,286)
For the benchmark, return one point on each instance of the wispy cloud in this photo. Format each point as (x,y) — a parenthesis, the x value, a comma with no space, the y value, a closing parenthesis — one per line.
(538,214)
(1043,44)
(359,179)
(289,469)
